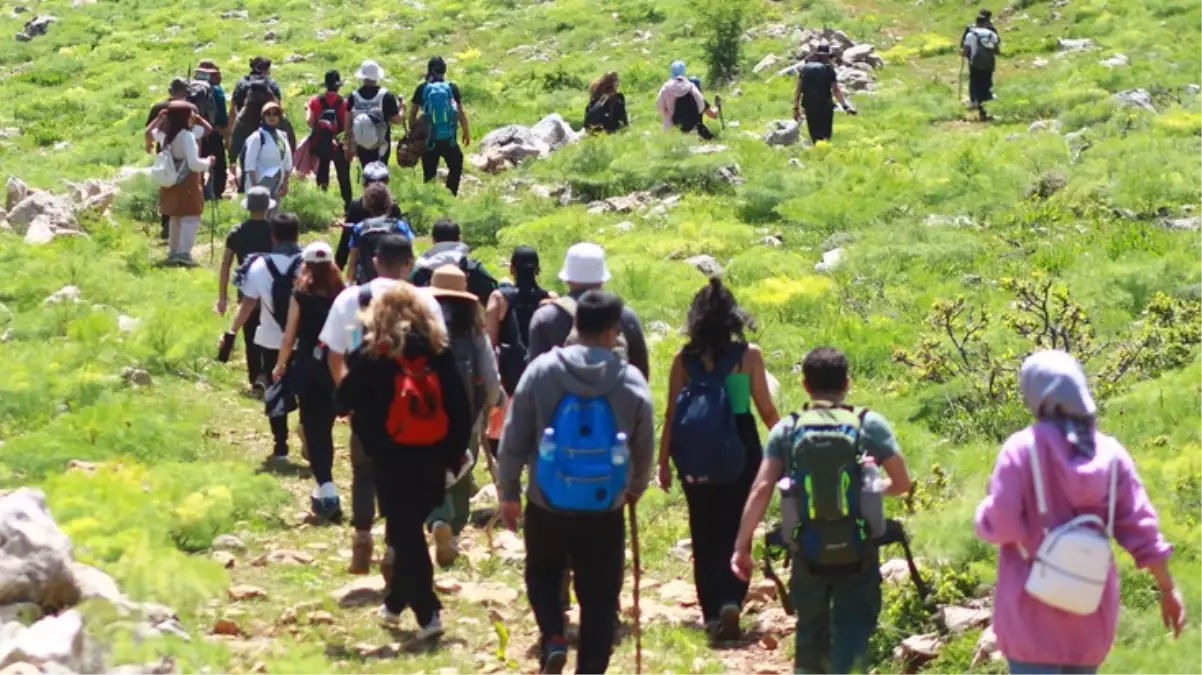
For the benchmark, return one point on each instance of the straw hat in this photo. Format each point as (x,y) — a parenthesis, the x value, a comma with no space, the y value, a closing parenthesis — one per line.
(448,281)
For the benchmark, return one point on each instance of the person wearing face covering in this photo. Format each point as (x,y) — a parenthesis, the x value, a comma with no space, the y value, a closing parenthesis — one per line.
(1075,461)
(267,157)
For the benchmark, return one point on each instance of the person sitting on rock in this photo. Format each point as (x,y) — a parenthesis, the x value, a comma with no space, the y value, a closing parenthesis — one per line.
(606,110)
(817,90)
(442,111)
(681,104)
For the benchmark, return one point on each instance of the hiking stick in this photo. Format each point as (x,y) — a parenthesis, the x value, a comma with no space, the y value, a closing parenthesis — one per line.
(212,224)
(492,471)
(638,618)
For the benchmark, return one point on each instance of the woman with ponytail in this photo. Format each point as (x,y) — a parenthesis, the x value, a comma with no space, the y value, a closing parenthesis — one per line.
(717,342)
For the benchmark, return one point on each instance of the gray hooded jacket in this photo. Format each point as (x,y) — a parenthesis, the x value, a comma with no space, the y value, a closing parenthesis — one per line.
(585,371)
(444,253)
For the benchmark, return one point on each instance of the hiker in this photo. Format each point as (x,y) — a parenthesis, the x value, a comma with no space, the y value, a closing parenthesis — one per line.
(710,432)
(326,116)
(836,585)
(268,282)
(215,143)
(507,320)
(179,129)
(372,110)
(816,93)
(1059,469)
(356,212)
(267,157)
(177,90)
(582,397)
(317,284)
(988,17)
(583,270)
(449,249)
(252,92)
(606,109)
(378,202)
(981,47)
(342,334)
(473,353)
(442,114)
(251,237)
(681,104)
(410,411)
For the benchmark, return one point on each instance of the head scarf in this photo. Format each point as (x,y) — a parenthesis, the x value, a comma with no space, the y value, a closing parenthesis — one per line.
(1055,390)
(268,107)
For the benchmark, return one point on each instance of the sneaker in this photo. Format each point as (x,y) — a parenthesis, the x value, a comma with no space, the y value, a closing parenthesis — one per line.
(728,623)
(185,260)
(388,616)
(361,553)
(326,508)
(278,456)
(555,655)
(432,629)
(445,551)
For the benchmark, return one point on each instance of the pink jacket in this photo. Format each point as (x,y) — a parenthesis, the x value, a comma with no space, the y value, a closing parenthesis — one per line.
(1027,629)
(672,90)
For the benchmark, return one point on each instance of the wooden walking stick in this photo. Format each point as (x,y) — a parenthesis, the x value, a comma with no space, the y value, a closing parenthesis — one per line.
(638,617)
(492,471)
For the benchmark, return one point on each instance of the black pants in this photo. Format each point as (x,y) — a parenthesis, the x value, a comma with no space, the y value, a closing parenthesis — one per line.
(256,360)
(820,121)
(279,425)
(595,549)
(343,169)
(450,151)
(405,499)
(363,488)
(317,421)
(980,86)
(164,221)
(214,146)
(368,156)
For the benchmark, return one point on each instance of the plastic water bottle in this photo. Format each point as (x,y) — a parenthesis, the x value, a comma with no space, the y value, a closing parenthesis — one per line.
(546,447)
(621,450)
(872,493)
(871,475)
(790,508)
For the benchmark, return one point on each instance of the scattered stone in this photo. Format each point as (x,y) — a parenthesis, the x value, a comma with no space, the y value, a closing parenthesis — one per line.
(1192,89)
(769,643)
(137,377)
(226,627)
(972,279)
(227,542)
(236,14)
(553,131)
(963,619)
(795,163)
(1190,223)
(771,241)
(127,324)
(783,133)
(368,590)
(80,465)
(269,36)
(509,546)
(708,149)
(15,192)
(52,644)
(96,584)
(447,585)
(1116,61)
(679,592)
(622,204)
(1135,98)
(706,264)
(243,592)
(43,212)
(730,173)
(36,555)
(370,651)
(1044,125)
(830,261)
(321,618)
(836,240)
(1071,45)
(765,63)
(918,649)
(683,550)
(624,226)
(485,497)
(987,649)
(488,594)
(288,557)
(763,590)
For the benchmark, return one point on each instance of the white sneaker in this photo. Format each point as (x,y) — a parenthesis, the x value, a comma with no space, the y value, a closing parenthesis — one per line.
(432,629)
(388,616)
(445,548)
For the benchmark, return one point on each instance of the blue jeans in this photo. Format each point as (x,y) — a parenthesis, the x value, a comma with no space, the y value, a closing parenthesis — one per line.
(1021,668)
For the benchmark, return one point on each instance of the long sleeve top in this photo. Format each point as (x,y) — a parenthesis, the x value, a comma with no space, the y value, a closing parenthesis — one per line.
(184,146)
(266,156)
(1027,629)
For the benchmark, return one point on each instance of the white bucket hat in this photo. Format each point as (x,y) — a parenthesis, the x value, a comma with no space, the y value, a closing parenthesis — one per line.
(370,70)
(584,264)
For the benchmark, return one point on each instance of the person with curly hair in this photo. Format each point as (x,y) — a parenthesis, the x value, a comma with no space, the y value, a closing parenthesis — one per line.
(718,345)
(411,413)
(606,109)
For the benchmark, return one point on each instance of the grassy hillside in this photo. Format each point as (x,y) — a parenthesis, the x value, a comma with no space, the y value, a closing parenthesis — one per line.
(964,245)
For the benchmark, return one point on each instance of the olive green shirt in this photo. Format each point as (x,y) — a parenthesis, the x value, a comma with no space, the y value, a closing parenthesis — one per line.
(879,441)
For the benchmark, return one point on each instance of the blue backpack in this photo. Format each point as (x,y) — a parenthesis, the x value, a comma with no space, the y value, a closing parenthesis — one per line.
(438,105)
(577,473)
(705,444)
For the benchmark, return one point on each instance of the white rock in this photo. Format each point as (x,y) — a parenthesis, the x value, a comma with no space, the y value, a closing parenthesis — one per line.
(771,241)
(1191,223)
(554,132)
(1044,125)
(1039,62)
(706,264)
(35,555)
(1076,44)
(624,226)
(128,324)
(1116,61)
(857,54)
(1192,89)
(987,649)
(70,294)
(919,649)
(830,261)
(783,132)
(15,191)
(96,584)
(708,149)
(1135,98)
(57,209)
(765,63)
(962,619)
(55,640)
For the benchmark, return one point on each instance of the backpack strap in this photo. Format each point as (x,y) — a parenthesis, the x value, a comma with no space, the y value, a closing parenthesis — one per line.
(1041,500)
(365,296)
(731,359)
(1113,498)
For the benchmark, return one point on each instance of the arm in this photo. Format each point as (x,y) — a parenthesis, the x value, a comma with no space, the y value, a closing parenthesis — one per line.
(414,105)
(899,476)
(459,418)
(676,380)
(1001,517)
(467,134)
(337,363)
(192,153)
(223,281)
(642,441)
(838,92)
(288,343)
(1136,525)
(881,444)
(761,394)
(244,311)
(494,315)
(797,98)
(486,358)
(310,116)
(521,435)
(343,252)
(250,157)
(151,128)
(201,122)
(352,260)
(400,110)
(771,469)
(636,343)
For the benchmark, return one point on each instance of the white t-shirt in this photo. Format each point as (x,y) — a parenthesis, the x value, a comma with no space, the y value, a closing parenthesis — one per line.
(343,330)
(978,37)
(269,335)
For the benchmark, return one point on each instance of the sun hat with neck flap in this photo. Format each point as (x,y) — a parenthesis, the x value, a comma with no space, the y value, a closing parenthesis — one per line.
(448,281)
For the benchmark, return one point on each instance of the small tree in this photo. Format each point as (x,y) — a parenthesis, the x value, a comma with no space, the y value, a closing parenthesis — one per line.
(722,38)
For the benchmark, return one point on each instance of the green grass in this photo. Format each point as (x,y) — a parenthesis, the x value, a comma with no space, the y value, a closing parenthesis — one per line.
(181,457)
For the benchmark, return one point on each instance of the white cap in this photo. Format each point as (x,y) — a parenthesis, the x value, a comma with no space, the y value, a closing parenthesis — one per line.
(317,252)
(370,70)
(584,264)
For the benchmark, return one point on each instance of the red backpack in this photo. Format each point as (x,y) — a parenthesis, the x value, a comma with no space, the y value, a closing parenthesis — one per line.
(417,415)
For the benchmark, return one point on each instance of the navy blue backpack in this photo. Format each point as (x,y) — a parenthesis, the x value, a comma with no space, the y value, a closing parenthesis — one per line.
(705,443)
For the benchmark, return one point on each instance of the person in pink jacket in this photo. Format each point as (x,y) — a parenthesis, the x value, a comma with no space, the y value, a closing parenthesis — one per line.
(1075,459)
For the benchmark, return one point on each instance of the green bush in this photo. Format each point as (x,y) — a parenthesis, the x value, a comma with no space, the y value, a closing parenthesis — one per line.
(722,38)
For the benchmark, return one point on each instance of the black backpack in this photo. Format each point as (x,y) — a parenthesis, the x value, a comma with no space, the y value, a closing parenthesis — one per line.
(281,289)
(258,94)
(515,333)
(326,128)
(600,112)
(373,230)
(200,94)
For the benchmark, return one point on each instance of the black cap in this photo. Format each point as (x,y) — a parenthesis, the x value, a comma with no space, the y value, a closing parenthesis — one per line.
(436,66)
(985,14)
(260,64)
(333,79)
(524,257)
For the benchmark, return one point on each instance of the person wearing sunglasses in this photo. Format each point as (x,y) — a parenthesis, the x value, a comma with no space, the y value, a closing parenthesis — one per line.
(267,157)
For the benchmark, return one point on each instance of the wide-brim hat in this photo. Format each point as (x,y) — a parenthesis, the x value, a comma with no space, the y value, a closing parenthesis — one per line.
(448,281)
(369,70)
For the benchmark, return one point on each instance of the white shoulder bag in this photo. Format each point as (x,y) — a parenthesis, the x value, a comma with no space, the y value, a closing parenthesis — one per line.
(1074,559)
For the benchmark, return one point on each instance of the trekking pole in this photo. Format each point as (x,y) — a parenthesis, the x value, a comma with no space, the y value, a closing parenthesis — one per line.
(213,205)
(721,117)
(492,471)
(638,617)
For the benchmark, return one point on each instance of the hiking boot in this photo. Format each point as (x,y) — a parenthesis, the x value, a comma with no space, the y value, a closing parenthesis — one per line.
(432,629)
(555,655)
(327,509)
(388,564)
(728,623)
(445,551)
(361,553)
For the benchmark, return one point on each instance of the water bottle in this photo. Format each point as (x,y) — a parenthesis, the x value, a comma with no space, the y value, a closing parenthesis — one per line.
(621,450)
(872,493)
(790,508)
(546,447)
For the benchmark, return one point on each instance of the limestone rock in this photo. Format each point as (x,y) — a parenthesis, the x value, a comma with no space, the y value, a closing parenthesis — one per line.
(1190,223)
(963,619)
(987,649)
(554,132)
(15,192)
(368,590)
(243,592)
(488,594)
(765,63)
(679,592)
(783,132)
(227,542)
(1131,98)
(1117,61)
(1044,125)
(706,264)
(763,590)
(35,555)
(94,583)
(771,241)
(830,261)
(137,377)
(56,211)
(53,643)
(918,649)
(1071,45)
(127,324)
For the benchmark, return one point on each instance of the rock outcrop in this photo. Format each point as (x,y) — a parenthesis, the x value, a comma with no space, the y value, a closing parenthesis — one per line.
(508,146)
(40,215)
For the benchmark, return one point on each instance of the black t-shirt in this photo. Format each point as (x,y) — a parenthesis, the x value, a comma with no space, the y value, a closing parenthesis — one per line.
(419,95)
(390,106)
(816,80)
(252,236)
(355,214)
(243,88)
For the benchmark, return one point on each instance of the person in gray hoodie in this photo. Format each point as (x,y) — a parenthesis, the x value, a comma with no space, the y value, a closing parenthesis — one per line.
(449,249)
(592,543)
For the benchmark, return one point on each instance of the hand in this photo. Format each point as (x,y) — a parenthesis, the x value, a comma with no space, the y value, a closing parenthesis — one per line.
(162,114)
(741,564)
(220,307)
(279,371)
(511,512)
(1172,611)
(797,114)
(149,147)
(665,477)
(467,139)
(850,110)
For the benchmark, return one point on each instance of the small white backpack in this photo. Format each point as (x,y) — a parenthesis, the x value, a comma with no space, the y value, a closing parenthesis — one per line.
(1074,560)
(167,171)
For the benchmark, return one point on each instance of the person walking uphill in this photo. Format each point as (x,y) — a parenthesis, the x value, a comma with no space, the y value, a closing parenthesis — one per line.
(443,115)
(365,235)
(1048,477)
(216,142)
(356,212)
(585,398)
(710,432)
(409,408)
(816,93)
(372,110)
(824,453)
(449,249)
(317,284)
(681,104)
(326,116)
(267,157)
(252,92)
(981,46)
(181,196)
(251,237)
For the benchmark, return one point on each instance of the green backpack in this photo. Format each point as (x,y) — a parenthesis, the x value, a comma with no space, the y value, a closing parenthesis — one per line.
(821,508)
